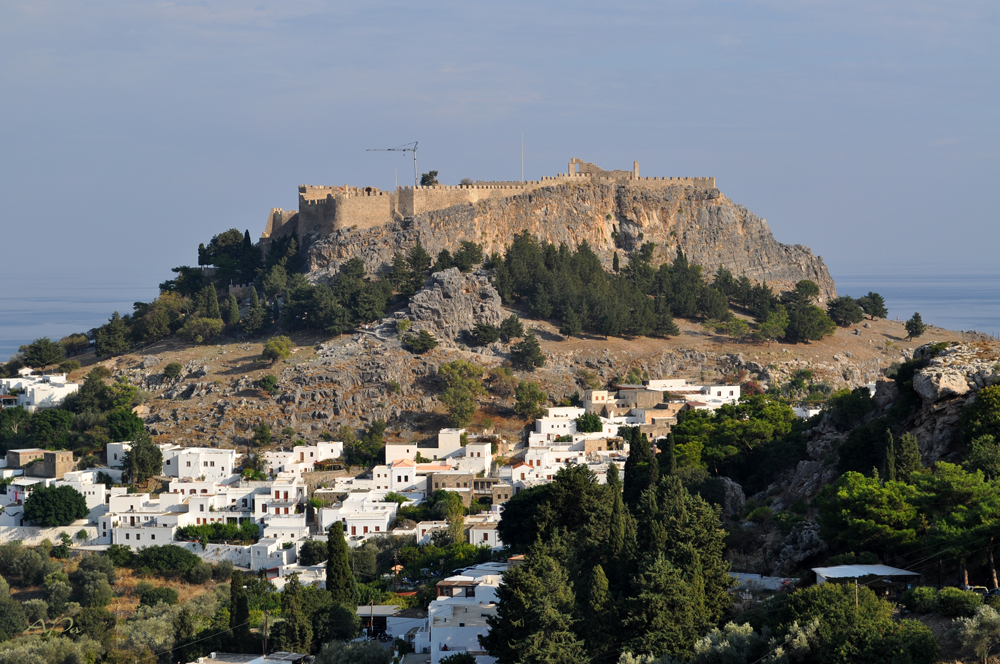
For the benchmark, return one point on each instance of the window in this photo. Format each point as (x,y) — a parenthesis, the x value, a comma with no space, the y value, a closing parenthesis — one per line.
(126,536)
(366,530)
(116,457)
(277,495)
(201,508)
(168,460)
(188,464)
(138,536)
(213,464)
(376,528)
(286,495)
(286,510)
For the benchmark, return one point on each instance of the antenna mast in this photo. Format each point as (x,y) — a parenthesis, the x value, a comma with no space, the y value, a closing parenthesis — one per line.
(402,148)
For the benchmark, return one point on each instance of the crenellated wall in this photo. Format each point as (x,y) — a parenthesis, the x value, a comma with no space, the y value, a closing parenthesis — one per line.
(325,209)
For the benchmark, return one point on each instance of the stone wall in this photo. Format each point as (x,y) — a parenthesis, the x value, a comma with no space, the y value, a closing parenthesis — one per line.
(609,216)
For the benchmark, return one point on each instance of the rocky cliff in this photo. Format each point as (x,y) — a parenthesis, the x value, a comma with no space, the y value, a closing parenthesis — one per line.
(610,217)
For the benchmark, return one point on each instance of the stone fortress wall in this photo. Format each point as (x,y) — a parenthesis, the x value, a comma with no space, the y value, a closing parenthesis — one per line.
(326,209)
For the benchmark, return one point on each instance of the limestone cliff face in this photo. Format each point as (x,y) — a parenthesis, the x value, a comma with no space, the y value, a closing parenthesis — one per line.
(707,226)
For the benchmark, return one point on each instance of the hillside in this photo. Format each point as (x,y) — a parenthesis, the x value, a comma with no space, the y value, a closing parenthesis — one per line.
(711,229)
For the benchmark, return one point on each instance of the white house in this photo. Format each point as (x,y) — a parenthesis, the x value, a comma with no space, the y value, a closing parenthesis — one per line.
(39,391)
(456,618)
(302,458)
(198,462)
(361,514)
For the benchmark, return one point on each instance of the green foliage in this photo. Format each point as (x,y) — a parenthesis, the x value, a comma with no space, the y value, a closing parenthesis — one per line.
(124,425)
(232,311)
(201,330)
(262,434)
(511,328)
(142,461)
(338,652)
(529,399)
(312,552)
(55,506)
(534,620)
(915,327)
(979,634)
(468,256)
(858,511)
(165,560)
(982,417)
(340,582)
(920,600)
(845,310)
(955,603)
(150,595)
(485,334)
(874,305)
(421,342)
(848,408)
(43,352)
(428,179)
(269,384)
(368,449)
(527,354)
(172,371)
(983,454)
(589,423)
(112,338)
(276,348)
(463,383)
(221,533)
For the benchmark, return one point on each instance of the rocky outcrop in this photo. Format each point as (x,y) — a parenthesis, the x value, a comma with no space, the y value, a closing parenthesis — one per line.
(710,229)
(733,498)
(451,304)
(801,544)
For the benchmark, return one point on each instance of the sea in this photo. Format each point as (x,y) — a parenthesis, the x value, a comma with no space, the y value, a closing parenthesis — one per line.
(54,306)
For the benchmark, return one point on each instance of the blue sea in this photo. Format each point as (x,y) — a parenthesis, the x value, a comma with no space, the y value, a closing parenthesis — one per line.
(33,306)
(40,306)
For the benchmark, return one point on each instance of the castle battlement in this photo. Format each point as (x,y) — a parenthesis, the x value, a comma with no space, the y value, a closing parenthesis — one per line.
(324,209)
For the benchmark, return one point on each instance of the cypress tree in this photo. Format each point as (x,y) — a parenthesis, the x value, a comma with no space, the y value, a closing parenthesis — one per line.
(294,633)
(667,459)
(907,457)
(339,578)
(615,264)
(890,457)
(232,311)
(641,471)
(598,614)
(239,613)
(254,300)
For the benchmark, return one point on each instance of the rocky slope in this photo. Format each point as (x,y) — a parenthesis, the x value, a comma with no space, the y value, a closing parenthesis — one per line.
(707,226)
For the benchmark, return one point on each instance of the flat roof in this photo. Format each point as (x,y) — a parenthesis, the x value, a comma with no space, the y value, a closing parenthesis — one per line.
(854,571)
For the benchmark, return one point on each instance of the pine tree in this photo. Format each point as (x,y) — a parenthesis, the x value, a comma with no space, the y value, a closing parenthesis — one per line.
(571,324)
(232,311)
(534,621)
(112,338)
(665,612)
(339,578)
(915,326)
(663,320)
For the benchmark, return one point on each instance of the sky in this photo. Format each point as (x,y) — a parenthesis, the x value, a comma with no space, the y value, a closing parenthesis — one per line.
(135,129)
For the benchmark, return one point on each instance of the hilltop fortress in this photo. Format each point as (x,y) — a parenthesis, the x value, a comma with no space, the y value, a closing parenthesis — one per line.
(611,210)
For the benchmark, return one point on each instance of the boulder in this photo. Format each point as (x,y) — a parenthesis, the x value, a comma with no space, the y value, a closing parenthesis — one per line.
(801,544)
(734,498)
(453,302)
(933,386)
(149,361)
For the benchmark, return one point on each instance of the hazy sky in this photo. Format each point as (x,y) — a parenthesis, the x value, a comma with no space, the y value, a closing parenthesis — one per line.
(133,130)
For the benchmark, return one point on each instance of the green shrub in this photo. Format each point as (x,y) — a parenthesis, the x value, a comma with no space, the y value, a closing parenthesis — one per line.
(421,342)
(69,366)
(956,603)
(760,515)
(276,348)
(168,559)
(268,383)
(172,371)
(920,600)
(150,595)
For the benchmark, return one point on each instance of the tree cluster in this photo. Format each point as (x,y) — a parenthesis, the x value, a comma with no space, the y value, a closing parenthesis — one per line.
(601,576)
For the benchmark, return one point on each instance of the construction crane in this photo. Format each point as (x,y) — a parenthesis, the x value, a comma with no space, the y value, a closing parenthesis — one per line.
(403,148)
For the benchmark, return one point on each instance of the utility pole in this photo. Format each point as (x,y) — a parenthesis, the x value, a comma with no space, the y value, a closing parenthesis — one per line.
(855,594)
(522,157)
(265,631)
